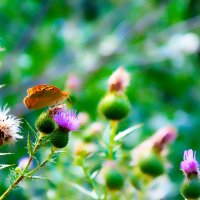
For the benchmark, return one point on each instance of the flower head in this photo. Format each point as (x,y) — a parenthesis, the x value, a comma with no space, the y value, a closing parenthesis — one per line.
(189,165)
(9,127)
(119,80)
(164,136)
(67,120)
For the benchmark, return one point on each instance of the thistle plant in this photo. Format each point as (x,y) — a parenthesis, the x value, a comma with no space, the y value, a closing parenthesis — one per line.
(96,164)
(190,188)
(52,126)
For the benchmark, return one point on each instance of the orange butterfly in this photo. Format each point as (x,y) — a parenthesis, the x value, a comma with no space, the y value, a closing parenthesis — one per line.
(43,95)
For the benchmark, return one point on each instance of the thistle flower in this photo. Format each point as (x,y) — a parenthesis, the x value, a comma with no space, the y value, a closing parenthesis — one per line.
(67,120)
(158,141)
(9,127)
(163,136)
(119,80)
(189,165)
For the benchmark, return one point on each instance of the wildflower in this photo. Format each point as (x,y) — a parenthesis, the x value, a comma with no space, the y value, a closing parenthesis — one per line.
(9,127)
(190,188)
(189,165)
(119,80)
(163,136)
(67,120)
(157,141)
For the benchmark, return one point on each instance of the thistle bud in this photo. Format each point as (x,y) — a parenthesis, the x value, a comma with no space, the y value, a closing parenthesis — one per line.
(45,123)
(59,138)
(151,164)
(115,106)
(190,188)
(114,179)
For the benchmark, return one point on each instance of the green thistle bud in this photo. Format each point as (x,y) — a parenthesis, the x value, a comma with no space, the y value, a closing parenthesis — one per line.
(190,189)
(114,179)
(151,164)
(59,138)
(115,106)
(45,123)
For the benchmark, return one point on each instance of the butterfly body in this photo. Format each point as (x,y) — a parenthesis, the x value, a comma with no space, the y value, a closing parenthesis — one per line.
(44,95)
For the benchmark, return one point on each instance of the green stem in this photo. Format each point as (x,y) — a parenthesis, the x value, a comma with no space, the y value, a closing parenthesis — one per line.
(111,145)
(22,174)
(89,179)
(43,163)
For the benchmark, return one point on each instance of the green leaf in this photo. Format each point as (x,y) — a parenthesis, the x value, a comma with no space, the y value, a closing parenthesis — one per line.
(123,134)
(35,132)
(1,86)
(2,166)
(3,154)
(37,177)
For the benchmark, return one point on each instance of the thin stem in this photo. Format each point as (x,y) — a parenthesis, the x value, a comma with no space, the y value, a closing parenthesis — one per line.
(89,179)
(111,145)
(22,175)
(43,163)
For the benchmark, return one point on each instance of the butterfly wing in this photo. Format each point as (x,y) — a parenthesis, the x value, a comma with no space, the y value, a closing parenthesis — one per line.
(43,95)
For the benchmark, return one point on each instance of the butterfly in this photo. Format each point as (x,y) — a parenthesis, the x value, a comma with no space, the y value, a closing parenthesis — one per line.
(43,95)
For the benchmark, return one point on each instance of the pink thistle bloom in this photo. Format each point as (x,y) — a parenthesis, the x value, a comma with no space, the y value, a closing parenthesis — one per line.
(67,120)
(119,80)
(164,136)
(189,165)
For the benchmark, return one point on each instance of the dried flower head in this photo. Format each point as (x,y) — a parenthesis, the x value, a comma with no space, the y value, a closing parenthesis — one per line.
(67,120)
(189,165)
(9,127)
(119,80)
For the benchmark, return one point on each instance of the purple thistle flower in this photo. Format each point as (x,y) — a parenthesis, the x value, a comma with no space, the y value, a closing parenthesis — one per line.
(67,120)
(189,165)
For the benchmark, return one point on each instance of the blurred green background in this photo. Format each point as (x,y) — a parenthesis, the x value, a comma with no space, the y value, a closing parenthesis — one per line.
(157,41)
